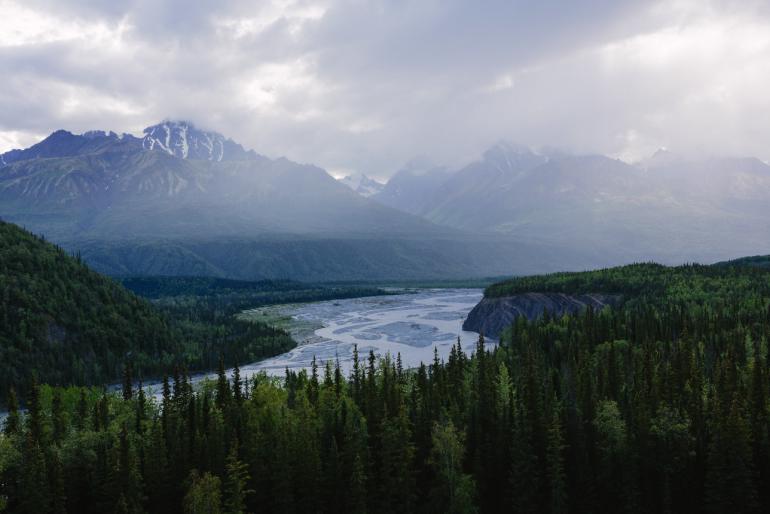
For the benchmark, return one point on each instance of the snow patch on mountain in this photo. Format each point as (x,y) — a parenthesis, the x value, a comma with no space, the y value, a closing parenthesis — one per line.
(182,139)
(362,184)
(98,134)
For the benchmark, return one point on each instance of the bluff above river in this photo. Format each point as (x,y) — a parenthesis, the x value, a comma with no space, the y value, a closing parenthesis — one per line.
(492,315)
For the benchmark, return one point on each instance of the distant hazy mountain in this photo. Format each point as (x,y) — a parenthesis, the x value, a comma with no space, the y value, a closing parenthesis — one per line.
(180,200)
(65,144)
(666,207)
(362,184)
(413,188)
(185,201)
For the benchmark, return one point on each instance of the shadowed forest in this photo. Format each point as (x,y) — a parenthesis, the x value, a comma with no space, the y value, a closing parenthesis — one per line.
(658,405)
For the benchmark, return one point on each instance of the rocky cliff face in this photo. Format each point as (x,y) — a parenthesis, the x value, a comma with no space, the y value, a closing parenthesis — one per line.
(492,315)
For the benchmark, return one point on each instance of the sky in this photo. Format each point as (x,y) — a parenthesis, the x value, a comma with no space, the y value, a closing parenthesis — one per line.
(366,85)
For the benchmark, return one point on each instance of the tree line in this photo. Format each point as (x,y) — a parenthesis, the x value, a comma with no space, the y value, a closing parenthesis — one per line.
(657,405)
(67,324)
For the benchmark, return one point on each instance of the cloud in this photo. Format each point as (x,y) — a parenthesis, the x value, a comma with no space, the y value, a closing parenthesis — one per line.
(367,84)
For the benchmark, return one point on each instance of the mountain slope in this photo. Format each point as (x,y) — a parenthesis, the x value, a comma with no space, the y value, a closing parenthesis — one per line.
(182,139)
(414,187)
(63,323)
(362,184)
(323,259)
(666,208)
(185,201)
(78,188)
(66,144)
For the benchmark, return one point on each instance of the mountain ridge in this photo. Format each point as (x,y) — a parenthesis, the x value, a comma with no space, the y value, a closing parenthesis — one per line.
(668,207)
(133,207)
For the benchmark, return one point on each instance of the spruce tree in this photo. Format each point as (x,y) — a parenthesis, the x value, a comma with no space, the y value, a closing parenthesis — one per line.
(57,416)
(557,480)
(730,485)
(12,420)
(223,385)
(128,385)
(235,485)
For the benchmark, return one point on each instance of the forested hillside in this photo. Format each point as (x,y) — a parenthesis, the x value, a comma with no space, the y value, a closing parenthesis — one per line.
(241,294)
(650,282)
(657,405)
(759,261)
(65,324)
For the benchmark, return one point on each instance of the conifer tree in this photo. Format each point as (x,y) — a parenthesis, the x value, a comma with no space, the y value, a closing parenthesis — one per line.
(235,483)
(237,385)
(81,413)
(57,416)
(356,497)
(58,493)
(223,385)
(141,409)
(313,385)
(557,482)
(730,485)
(128,385)
(35,415)
(524,474)
(12,420)
(34,492)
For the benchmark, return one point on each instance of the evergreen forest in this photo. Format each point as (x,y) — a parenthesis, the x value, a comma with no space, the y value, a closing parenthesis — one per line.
(659,404)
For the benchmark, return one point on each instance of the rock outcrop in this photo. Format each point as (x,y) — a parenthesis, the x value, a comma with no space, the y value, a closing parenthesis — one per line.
(492,315)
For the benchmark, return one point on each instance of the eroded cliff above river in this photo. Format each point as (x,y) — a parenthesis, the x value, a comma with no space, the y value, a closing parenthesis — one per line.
(492,315)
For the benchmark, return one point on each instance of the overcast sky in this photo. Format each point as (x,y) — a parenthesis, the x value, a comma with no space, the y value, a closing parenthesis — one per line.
(366,85)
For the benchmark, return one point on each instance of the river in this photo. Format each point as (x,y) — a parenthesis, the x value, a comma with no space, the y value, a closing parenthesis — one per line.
(412,324)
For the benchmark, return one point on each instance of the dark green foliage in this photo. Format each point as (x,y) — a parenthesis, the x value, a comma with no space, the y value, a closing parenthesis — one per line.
(760,261)
(646,281)
(202,311)
(659,405)
(242,293)
(12,420)
(65,324)
(235,483)
(204,495)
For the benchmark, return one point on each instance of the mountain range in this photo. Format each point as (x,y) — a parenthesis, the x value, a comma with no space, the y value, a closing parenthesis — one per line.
(190,183)
(668,207)
(184,201)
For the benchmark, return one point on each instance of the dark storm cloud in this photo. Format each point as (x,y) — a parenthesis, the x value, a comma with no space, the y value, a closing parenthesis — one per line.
(365,85)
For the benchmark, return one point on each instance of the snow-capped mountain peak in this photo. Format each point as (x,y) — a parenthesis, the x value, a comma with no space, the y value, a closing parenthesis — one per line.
(98,134)
(362,184)
(182,139)
(506,158)
(661,158)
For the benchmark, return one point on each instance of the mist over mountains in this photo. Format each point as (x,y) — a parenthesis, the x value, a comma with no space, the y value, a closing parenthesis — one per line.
(667,207)
(182,201)
(185,201)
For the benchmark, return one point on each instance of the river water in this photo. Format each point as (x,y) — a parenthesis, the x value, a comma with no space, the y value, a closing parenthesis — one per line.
(412,324)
